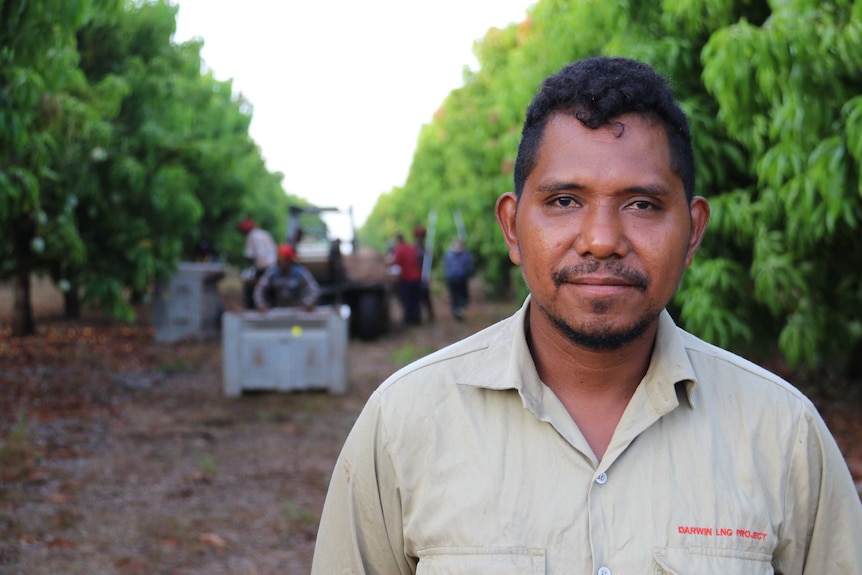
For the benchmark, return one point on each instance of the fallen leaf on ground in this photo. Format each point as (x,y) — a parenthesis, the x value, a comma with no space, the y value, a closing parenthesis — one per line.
(212,539)
(62,543)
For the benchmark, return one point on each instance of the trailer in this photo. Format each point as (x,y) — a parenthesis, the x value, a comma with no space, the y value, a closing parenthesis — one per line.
(348,274)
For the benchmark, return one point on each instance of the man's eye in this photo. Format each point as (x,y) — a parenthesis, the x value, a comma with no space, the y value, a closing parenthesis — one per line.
(642,205)
(565,201)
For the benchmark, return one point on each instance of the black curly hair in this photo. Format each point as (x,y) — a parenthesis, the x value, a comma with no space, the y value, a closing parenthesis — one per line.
(596,91)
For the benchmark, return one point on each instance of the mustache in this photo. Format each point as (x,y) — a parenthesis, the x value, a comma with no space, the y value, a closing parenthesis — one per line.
(570,274)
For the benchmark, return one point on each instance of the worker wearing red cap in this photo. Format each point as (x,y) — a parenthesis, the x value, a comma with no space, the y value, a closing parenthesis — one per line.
(409,264)
(286,284)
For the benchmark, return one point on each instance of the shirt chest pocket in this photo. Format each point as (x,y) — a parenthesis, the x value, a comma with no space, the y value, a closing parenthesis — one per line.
(711,561)
(481,561)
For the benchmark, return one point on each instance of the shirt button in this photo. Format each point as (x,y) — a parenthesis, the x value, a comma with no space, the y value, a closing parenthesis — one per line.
(601,479)
(603,571)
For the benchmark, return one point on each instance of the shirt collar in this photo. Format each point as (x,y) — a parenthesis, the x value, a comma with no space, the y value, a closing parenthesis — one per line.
(668,367)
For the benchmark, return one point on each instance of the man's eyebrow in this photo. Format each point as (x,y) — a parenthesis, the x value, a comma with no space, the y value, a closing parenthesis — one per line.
(648,190)
(565,186)
(559,186)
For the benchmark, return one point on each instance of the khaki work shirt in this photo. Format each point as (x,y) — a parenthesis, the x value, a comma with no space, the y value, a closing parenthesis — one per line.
(464,462)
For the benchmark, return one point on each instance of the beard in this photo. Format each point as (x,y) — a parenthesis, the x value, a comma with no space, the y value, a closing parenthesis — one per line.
(599,337)
(596,335)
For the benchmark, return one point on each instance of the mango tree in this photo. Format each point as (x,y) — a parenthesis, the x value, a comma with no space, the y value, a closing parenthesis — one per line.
(772,92)
(38,61)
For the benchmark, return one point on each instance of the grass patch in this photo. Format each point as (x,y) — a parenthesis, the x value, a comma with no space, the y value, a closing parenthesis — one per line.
(296,514)
(409,353)
(176,366)
(18,456)
(207,464)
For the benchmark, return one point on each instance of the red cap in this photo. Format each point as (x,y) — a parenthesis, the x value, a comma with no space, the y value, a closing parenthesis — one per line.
(418,231)
(245,226)
(286,252)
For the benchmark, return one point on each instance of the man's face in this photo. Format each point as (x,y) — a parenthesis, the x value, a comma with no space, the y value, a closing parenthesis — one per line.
(284,263)
(603,230)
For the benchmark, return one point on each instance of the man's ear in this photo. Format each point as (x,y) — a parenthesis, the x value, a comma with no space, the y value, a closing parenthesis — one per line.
(699,220)
(506,208)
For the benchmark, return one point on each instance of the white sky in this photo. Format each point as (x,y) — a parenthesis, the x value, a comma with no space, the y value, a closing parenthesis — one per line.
(341,88)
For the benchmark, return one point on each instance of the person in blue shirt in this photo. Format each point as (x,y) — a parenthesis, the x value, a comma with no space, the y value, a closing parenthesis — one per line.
(458,266)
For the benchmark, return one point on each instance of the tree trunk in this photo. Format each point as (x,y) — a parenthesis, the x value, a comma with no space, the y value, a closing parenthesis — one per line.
(22,314)
(23,229)
(136,297)
(72,303)
(853,370)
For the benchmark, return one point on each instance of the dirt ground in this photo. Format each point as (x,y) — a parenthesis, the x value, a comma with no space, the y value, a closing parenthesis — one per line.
(121,455)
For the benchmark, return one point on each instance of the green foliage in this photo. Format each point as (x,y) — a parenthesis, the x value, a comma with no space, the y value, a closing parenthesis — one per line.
(37,57)
(119,155)
(786,92)
(38,61)
(772,93)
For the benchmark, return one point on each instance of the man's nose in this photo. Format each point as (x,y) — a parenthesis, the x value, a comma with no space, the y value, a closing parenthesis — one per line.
(601,234)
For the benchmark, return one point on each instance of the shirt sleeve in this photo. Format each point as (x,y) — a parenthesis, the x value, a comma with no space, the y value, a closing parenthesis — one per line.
(312,289)
(361,529)
(823,515)
(248,251)
(260,289)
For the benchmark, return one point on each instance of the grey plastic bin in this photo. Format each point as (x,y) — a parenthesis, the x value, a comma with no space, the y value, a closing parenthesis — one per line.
(189,306)
(285,349)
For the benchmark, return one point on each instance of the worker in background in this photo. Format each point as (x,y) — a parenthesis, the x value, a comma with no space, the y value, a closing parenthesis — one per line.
(286,284)
(204,253)
(458,266)
(406,258)
(260,250)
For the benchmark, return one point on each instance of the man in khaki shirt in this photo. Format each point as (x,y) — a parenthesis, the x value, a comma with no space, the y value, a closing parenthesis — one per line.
(587,434)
